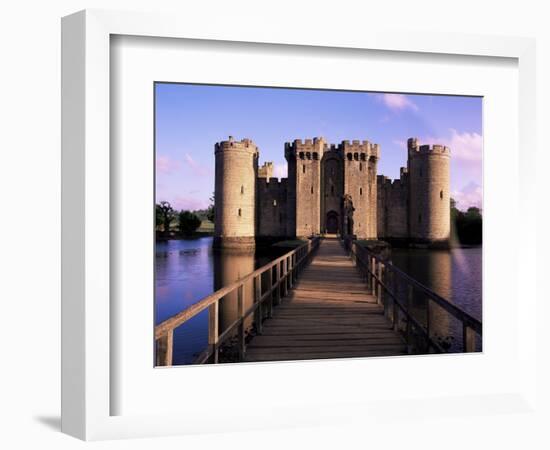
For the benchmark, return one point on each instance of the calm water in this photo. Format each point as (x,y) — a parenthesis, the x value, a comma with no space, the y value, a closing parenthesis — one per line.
(189,270)
(455,275)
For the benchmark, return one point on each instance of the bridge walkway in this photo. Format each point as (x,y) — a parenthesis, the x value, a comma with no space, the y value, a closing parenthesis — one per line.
(328,314)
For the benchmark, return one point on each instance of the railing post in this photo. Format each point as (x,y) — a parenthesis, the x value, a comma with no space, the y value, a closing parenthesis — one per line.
(291,271)
(395,297)
(165,349)
(468,338)
(428,320)
(285,278)
(373,272)
(240,312)
(213,329)
(257,299)
(367,273)
(380,271)
(278,284)
(273,292)
(409,315)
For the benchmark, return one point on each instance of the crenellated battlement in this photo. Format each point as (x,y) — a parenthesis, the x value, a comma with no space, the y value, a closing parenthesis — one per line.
(314,149)
(272,183)
(253,202)
(360,150)
(232,144)
(266,170)
(384,182)
(414,149)
(311,149)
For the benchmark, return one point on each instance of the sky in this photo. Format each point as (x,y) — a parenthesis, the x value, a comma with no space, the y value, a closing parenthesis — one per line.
(190,119)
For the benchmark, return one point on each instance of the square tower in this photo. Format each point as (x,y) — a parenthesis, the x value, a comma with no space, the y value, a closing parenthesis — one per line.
(360,170)
(304,186)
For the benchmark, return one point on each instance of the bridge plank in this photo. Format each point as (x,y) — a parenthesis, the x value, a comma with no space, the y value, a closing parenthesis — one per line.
(328,314)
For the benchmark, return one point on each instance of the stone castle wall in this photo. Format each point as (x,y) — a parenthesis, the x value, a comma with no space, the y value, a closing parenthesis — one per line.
(332,186)
(429,173)
(266,170)
(392,206)
(305,179)
(360,161)
(272,207)
(251,203)
(235,192)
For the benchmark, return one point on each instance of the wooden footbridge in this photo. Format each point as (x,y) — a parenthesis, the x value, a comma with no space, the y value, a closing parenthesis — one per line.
(325,299)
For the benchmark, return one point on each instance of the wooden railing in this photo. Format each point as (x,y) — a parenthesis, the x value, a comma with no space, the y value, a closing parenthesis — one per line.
(281,274)
(395,290)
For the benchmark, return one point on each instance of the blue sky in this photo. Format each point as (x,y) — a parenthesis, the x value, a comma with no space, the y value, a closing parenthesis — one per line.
(190,119)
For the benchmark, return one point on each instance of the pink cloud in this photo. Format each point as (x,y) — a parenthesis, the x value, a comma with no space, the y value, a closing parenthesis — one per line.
(166,165)
(188,202)
(198,168)
(398,102)
(469,195)
(465,147)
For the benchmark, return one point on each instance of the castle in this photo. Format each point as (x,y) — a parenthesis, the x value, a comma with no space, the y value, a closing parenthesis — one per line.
(330,189)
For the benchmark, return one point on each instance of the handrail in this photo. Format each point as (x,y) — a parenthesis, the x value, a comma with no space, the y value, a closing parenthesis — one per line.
(377,267)
(287,268)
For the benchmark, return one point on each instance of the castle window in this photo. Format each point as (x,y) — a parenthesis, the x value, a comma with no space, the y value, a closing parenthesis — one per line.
(315,155)
(363,157)
(304,168)
(356,156)
(301,155)
(274,202)
(360,191)
(240,212)
(332,190)
(441,195)
(349,156)
(308,155)
(312,189)
(242,189)
(360,166)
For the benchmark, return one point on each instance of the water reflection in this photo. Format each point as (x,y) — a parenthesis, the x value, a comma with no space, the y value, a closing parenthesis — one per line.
(188,270)
(453,274)
(230,266)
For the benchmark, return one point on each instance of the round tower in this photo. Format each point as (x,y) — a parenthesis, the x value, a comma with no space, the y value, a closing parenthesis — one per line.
(235,194)
(429,193)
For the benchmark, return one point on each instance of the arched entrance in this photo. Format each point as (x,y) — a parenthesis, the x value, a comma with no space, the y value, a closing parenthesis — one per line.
(332,222)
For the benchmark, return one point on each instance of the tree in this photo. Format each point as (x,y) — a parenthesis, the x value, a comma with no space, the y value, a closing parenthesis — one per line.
(188,222)
(164,216)
(466,226)
(210,212)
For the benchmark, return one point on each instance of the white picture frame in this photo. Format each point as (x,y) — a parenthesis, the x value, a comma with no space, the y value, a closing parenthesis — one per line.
(87,325)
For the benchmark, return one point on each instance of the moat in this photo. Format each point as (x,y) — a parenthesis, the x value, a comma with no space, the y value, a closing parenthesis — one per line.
(189,270)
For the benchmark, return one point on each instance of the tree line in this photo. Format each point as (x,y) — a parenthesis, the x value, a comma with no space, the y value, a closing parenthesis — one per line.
(466,226)
(187,222)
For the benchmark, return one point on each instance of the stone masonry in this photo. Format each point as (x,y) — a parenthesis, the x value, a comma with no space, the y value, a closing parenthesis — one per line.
(251,204)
